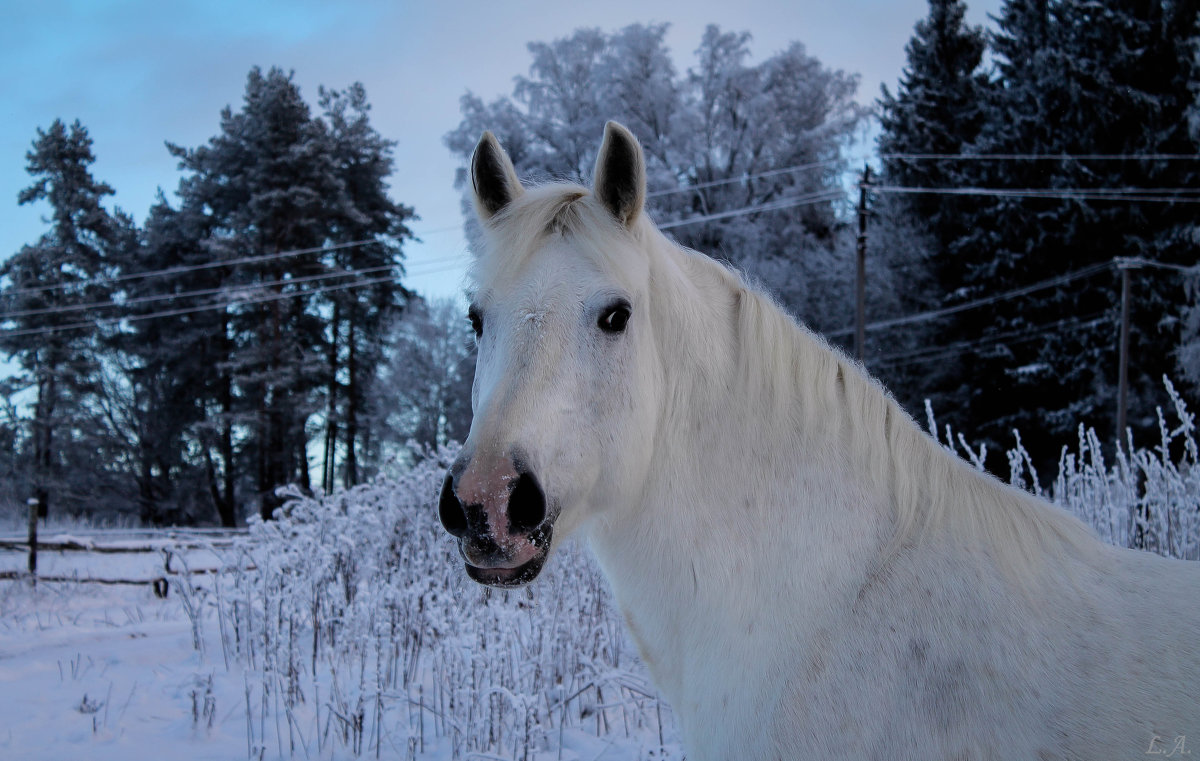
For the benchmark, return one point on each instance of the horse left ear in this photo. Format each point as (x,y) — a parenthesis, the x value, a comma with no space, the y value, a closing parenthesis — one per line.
(621,174)
(493,177)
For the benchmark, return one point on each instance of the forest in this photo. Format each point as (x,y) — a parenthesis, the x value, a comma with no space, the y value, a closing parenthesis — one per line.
(254,331)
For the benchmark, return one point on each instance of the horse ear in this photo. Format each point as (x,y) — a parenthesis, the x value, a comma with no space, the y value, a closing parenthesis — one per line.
(493,177)
(621,174)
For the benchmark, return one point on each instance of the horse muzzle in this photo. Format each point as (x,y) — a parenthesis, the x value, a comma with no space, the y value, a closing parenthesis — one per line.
(498,513)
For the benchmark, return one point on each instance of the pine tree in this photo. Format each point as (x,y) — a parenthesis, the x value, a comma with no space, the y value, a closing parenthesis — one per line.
(165,373)
(46,284)
(360,316)
(266,181)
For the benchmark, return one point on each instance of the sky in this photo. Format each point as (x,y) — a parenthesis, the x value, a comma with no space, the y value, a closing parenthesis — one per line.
(141,73)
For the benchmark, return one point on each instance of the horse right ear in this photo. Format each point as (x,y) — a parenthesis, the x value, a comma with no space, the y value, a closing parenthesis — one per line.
(493,177)
(621,174)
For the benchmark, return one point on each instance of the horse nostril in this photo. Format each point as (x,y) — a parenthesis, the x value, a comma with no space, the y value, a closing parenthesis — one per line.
(451,511)
(526,505)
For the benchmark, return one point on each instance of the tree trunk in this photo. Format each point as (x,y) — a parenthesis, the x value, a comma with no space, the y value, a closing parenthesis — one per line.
(223,496)
(302,462)
(331,425)
(43,435)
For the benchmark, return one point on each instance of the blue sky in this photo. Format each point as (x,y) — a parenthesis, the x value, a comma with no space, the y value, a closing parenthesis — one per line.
(139,73)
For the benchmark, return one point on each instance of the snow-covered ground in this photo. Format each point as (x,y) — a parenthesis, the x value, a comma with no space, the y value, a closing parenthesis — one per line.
(344,629)
(109,672)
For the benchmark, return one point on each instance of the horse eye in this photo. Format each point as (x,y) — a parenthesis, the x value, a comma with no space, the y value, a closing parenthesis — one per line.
(476,321)
(615,317)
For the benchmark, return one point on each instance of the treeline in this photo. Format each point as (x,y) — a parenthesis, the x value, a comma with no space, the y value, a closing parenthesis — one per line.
(254,333)
(747,162)
(1080,128)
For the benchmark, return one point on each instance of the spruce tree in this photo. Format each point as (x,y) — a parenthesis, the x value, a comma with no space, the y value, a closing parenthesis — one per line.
(937,111)
(1075,79)
(169,357)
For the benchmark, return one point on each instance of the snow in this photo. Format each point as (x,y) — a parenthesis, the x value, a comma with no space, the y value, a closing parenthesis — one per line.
(409,660)
(105,673)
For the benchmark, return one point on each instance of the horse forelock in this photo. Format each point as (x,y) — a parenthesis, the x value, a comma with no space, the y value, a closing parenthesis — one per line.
(541,214)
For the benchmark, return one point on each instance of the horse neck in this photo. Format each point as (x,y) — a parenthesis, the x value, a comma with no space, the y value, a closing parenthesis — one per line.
(749,504)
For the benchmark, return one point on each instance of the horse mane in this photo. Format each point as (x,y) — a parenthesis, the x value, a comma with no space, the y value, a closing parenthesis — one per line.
(806,383)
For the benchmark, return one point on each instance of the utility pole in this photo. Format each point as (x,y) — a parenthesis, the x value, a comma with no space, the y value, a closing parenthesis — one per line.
(1124,265)
(860,283)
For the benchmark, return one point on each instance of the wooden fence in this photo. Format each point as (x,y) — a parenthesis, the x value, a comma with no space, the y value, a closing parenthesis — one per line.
(171,543)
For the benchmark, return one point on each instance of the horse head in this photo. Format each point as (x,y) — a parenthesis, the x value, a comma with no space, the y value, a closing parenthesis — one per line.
(562,423)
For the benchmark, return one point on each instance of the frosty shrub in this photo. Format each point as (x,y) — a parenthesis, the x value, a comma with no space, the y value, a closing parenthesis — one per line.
(1144,498)
(361,636)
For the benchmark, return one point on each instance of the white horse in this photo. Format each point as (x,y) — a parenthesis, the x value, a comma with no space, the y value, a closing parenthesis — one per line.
(806,574)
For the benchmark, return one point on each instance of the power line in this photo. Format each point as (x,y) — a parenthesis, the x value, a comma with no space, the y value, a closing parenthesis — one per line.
(107,321)
(935,353)
(975,304)
(745,178)
(101,322)
(1040,156)
(1156,195)
(182,269)
(776,205)
(230,289)
(1126,194)
(1136,262)
(784,203)
(234,290)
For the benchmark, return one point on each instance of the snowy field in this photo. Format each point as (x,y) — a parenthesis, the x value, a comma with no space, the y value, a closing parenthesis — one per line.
(346,629)
(407,659)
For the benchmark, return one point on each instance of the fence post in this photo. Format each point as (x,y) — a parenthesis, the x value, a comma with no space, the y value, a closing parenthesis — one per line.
(32,504)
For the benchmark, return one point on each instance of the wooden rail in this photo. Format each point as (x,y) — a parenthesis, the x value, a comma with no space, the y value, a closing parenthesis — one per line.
(167,545)
(72,545)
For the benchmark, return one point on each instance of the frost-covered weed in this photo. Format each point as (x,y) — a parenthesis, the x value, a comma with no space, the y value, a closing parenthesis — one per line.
(1145,498)
(361,636)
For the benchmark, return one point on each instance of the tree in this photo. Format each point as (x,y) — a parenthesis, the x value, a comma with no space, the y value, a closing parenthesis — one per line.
(265,181)
(359,316)
(727,136)
(1083,79)
(937,109)
(426,398)
(1071,78)
(163,373)
(47,285)
(298,206)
